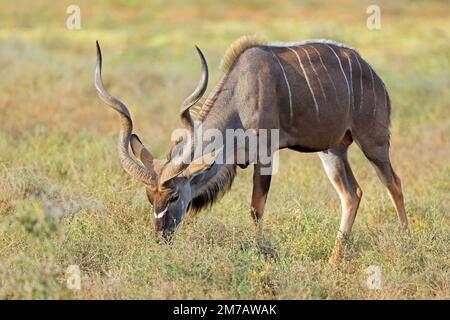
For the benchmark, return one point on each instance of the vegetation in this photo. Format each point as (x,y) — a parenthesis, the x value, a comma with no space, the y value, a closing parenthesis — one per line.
(65,200)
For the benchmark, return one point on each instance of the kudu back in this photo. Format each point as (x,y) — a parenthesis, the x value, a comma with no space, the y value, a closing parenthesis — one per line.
(320,96)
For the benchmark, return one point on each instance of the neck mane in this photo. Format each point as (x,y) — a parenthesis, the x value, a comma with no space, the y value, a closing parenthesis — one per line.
(213,187)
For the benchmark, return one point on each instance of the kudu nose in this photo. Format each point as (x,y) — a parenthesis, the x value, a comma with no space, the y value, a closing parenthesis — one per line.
(164,237)
(167,236)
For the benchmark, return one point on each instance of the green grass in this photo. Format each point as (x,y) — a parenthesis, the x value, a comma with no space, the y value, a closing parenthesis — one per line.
(64,199)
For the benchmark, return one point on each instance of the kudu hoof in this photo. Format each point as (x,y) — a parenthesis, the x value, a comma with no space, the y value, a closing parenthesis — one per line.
(335,259)
(338,251)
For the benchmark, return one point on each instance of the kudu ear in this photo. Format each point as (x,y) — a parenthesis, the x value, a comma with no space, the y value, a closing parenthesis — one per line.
(201,164)
(141,152)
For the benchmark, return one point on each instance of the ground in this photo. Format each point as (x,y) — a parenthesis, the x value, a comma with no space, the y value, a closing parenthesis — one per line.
(65,200)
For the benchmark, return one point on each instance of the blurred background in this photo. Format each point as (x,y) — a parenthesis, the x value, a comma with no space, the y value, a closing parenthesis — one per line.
(150,61)
(58,155)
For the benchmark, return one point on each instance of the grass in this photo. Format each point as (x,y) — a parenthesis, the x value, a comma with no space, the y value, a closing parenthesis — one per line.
(65,200)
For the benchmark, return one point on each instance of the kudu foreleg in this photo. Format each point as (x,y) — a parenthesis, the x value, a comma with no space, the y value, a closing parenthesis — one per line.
(341,176)
(261,185)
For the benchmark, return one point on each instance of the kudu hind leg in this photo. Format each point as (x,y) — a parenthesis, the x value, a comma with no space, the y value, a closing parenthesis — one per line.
(341,176)
(261,185)
(379,158)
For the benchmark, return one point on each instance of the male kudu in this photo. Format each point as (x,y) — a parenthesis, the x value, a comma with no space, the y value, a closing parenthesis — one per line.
(319,94)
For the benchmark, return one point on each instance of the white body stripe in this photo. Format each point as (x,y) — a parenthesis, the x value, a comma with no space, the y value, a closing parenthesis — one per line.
(307,80)
(160,214)
(372,72)
(329,44)
(361,99)
(287,84)
(374,94)
(385,94)
(342,69)
(326,70)
(351,82)
(315,72)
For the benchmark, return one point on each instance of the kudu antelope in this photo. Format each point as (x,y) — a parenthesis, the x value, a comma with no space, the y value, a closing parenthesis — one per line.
(321,95)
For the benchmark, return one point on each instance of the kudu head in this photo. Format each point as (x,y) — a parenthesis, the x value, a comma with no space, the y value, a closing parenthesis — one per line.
(168,182)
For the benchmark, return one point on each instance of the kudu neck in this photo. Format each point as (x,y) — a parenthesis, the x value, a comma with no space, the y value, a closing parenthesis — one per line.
(221,116)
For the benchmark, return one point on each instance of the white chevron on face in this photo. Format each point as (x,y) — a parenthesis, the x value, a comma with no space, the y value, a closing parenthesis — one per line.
(161,214)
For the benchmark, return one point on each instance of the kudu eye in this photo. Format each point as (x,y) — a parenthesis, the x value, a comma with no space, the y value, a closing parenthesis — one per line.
(174,197)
